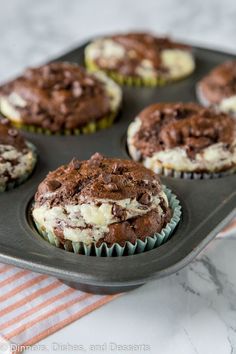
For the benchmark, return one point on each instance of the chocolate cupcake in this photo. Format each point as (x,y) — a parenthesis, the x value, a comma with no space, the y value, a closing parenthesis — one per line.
(17,157)
(140,58)
(184,140)
(104,206)
(218,88)
(60,98)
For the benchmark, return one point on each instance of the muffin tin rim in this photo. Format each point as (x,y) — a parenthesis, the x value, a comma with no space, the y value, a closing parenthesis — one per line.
(38,264)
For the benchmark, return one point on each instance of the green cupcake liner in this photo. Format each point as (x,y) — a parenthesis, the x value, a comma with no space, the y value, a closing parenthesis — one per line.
(23,178)
(127,80)
(90,128)
(115,250)
(132,80)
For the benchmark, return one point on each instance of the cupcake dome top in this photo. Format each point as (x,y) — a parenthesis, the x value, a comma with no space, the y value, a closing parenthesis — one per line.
(141,46)
(56,96)
(183,136)
(97,178)
(101,200)
(141,55)
(186,125)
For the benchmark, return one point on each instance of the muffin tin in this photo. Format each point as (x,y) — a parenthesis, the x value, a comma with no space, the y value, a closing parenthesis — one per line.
(207,205)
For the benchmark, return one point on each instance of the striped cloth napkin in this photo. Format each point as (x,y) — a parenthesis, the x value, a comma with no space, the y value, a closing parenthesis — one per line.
(33,306)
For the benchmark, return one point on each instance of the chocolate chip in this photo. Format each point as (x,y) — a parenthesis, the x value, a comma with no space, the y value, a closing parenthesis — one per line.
(144,198)
(12,132)
(53,185)
(118,212)
(95,159)
(112,187)
(177,113)
(163,205)
(96,156)
(76,164)
(117,169)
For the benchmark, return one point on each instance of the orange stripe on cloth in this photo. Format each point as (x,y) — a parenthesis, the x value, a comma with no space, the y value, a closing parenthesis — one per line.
(23,287)
(104,300)
(25,300)
(39,319)
(39,307)
(13,277)
(5,268)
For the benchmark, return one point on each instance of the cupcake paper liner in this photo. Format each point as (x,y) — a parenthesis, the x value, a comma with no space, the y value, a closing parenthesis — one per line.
(90,128)
(140,246)
(192,175)
(170,172)
(126,80)
(13,184)
(131,80)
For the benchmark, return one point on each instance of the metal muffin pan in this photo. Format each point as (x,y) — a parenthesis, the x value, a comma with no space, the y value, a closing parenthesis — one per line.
(207,205)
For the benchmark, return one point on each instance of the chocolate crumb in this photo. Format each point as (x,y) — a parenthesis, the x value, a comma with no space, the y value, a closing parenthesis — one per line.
(119,212)
(53,185)
(144,199)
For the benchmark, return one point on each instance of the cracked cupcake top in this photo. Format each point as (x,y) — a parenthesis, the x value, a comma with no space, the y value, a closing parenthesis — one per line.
(187,125)
(55,96)
(183,137)
(101,200)
(97,178)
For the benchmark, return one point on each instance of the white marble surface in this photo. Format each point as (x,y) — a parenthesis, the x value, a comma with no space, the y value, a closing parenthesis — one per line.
(193,311)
